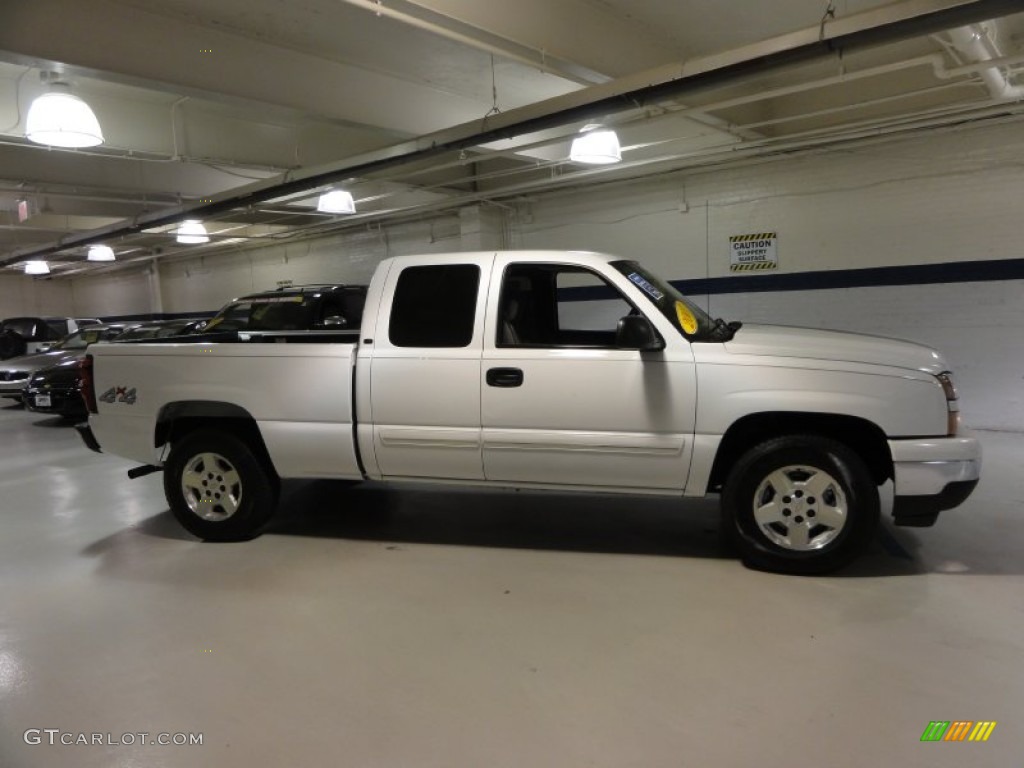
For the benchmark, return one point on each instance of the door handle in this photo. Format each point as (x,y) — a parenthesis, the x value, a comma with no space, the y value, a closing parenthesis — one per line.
(504,377)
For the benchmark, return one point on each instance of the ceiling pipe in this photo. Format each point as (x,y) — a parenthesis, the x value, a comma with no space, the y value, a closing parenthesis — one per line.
(974,42)
(882,25)
(466,34)
(700,161)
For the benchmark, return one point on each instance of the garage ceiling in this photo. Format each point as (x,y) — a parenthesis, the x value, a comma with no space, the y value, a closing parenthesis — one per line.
(197,99)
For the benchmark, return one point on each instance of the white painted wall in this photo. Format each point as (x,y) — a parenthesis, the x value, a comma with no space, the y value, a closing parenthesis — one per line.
(27,296)
(944,198)
(119,293)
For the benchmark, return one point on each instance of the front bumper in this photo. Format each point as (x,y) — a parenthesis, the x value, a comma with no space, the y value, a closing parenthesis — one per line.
(64,401)
(13,388)
(931,475)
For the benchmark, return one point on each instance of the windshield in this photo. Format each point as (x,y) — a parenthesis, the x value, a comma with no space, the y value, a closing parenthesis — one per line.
(79,340)
(690,319)
(694,323)
(83,338)
(277,313)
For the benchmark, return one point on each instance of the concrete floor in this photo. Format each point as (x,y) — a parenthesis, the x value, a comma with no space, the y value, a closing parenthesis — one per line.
(386,627)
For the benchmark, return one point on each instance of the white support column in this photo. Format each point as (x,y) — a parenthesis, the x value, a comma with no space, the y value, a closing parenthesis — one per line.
(156,301)
(482,228)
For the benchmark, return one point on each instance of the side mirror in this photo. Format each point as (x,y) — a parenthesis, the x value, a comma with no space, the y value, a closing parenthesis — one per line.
(333,321)
(636,332)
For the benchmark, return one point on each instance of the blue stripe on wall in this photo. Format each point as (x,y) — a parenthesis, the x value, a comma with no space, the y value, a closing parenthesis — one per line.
(918,274)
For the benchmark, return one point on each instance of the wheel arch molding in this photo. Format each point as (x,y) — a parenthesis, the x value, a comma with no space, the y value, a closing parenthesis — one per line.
(178,419)
(864,437)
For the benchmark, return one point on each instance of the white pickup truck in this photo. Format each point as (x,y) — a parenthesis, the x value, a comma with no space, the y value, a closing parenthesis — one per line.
(548,370)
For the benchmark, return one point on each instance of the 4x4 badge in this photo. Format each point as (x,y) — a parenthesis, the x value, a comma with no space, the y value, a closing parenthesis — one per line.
(119,395)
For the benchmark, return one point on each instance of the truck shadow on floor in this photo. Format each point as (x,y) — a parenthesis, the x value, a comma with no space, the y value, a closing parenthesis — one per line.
(54,422)
(639,525)
(498,518)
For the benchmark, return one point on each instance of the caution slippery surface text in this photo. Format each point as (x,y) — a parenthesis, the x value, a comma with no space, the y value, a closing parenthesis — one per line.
(753,253)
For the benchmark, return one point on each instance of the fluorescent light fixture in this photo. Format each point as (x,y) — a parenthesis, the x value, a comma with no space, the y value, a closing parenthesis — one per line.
(192,232)
(37,268)
(59,119)
(101,253)
(596,145)
(336,201)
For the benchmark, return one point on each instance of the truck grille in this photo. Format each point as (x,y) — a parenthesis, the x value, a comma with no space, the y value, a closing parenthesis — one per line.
(13,375)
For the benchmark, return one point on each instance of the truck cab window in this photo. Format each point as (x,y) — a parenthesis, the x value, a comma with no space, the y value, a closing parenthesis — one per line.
(435,306)
(558,305)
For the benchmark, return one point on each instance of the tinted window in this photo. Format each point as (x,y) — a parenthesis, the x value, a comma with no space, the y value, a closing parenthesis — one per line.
(58,329)
(83,338)
(233,317)
(346,305)
(435,306)
(23,326)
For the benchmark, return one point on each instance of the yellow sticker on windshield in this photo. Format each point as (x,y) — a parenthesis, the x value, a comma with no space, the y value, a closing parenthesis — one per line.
(686,318)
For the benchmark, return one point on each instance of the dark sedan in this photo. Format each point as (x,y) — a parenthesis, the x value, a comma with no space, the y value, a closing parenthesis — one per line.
(15,373)
(57,390)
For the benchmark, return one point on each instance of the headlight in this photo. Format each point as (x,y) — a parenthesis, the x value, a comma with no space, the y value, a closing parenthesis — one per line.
(948,387)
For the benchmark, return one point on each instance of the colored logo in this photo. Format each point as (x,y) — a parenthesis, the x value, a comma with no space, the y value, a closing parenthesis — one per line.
(958,730)
(119,395)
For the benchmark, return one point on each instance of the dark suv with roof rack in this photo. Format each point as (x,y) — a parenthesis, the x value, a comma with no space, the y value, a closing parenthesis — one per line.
(323,307)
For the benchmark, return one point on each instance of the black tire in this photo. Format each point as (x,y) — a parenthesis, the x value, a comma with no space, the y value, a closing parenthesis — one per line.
(217,488)
(799,533)
(12,344)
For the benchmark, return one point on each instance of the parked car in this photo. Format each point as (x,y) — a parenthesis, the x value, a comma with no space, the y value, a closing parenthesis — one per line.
(57,388)
(15,373)
(160,329)
(499,369)
(294,308)
(27,335)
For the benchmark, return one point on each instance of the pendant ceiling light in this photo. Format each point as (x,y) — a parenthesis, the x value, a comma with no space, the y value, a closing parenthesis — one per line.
(596,145)
(336,201)
(59,119)
(37,268)
(101,253)
(192,232)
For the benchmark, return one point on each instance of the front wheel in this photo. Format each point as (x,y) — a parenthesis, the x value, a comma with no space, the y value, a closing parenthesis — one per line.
(800,504)
(217,489)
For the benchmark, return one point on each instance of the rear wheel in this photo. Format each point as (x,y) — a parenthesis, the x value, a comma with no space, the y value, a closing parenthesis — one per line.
(800,504)
(217,488)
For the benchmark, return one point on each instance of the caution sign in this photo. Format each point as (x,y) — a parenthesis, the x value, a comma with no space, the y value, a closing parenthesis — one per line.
(753,253)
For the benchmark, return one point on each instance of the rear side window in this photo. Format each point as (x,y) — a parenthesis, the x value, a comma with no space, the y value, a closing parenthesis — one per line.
(435,306)
(26,327)
(58,329)
(343,310)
